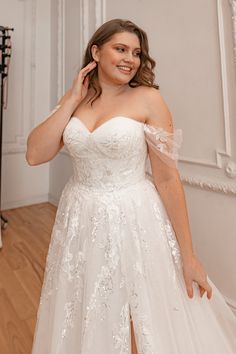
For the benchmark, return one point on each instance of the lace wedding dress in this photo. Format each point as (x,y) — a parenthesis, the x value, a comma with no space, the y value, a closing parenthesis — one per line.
(114,255)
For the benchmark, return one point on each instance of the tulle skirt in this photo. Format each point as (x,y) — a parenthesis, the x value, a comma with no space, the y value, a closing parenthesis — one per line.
(114,256)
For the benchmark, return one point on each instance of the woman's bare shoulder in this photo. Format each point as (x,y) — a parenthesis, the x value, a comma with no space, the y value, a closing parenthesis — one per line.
(152,102)
(148,94)
(157,108)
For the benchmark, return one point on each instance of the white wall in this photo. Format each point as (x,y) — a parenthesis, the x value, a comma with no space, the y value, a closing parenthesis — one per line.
(28,99)
(213,225)
(192,43)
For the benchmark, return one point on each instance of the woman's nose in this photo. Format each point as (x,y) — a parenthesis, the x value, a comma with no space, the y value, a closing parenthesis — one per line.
(129,57)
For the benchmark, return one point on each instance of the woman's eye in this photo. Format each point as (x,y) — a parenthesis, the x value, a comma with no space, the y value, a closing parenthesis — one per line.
(122,50)
(119,49)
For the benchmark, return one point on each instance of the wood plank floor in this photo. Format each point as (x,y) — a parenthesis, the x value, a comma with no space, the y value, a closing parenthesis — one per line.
(22,262)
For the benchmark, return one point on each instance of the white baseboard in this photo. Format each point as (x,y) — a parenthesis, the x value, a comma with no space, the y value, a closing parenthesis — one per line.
(53,200)
(24,202)
(43,198)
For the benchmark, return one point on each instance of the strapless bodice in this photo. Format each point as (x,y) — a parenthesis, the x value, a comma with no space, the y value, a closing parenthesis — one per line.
(111,157)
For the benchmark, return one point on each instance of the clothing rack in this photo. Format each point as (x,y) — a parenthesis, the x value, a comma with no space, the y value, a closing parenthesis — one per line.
(5,54)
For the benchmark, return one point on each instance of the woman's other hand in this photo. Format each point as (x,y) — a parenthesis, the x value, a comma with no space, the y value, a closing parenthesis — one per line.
(194,271)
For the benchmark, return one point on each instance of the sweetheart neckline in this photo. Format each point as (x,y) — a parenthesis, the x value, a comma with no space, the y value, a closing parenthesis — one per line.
(108,120)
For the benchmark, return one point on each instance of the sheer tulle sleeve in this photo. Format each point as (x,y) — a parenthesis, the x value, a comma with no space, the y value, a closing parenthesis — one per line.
(164,144)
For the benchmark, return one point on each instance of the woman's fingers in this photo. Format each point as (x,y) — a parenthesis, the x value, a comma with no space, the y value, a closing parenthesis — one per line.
(190,292)
(201,290)
(88,68)
(193,271)
(209,291)
(189,288)
(86,82)
(81,82)
(204,286)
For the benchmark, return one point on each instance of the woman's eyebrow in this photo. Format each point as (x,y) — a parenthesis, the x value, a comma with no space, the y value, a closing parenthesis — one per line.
(125,45)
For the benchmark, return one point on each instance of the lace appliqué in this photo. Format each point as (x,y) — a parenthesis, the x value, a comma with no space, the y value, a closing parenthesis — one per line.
(114,162)
(101,242)
(62,264)
(71,308)
(144,337)
(121,331)
(98,304)
(174,246)
(168,234)
(166,145)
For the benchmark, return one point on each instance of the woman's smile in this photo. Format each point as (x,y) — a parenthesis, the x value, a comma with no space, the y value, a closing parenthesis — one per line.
(127,70)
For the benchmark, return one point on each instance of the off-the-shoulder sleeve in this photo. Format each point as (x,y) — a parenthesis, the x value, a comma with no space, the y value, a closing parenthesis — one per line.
(166,145)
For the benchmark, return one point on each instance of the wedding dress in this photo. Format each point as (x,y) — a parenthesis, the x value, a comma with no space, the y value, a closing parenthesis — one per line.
(114,255)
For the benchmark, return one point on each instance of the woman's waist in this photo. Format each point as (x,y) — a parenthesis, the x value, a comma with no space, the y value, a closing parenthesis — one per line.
(102,185)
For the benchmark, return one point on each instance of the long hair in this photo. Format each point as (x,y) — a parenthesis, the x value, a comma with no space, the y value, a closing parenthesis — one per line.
(144,76)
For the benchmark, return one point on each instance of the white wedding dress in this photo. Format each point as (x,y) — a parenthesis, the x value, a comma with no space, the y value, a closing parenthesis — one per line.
(114,255)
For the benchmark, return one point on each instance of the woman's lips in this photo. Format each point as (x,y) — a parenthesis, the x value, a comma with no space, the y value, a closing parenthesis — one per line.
(124,69)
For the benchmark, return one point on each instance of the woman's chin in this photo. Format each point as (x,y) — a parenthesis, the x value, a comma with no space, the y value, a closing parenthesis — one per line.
(122,80)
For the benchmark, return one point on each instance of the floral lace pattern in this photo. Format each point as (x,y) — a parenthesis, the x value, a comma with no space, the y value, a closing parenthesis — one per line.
(166,145)
(121,331)
(113,254)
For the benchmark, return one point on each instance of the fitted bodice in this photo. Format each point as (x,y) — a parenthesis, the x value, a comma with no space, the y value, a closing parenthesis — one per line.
(111,157)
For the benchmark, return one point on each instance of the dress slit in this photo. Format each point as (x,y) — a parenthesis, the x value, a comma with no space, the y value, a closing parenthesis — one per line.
(133,341)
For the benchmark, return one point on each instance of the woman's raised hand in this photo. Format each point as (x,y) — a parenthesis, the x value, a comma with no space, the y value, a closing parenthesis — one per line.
(81,82)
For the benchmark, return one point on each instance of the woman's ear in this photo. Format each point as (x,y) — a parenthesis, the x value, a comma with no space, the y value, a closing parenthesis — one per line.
(95,52)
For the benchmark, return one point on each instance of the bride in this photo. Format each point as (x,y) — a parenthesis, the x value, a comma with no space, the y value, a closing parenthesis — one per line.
(121,273)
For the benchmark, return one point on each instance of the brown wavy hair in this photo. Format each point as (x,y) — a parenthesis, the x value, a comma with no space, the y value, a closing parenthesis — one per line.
(144,76)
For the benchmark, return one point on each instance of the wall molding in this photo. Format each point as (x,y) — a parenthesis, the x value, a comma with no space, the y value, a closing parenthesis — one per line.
(27,113)
(206,184)
(221,155)
(231,169)
(224,78)
(60,48)
(100,12)
(233,6)
(86,18)
(84,25)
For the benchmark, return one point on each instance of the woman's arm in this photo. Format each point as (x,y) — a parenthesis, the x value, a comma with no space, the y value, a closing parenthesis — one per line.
(167,179)
(169,186)
(45,141)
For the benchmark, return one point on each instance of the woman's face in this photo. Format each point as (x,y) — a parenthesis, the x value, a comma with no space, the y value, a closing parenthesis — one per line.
(119,58)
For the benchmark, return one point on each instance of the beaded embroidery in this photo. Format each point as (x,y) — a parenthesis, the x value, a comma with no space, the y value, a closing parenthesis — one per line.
(99,246)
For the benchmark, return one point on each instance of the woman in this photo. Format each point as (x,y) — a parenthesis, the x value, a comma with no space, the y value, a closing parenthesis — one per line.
(121,274)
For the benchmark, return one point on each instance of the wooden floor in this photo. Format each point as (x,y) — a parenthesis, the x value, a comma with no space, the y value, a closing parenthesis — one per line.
(22,261)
